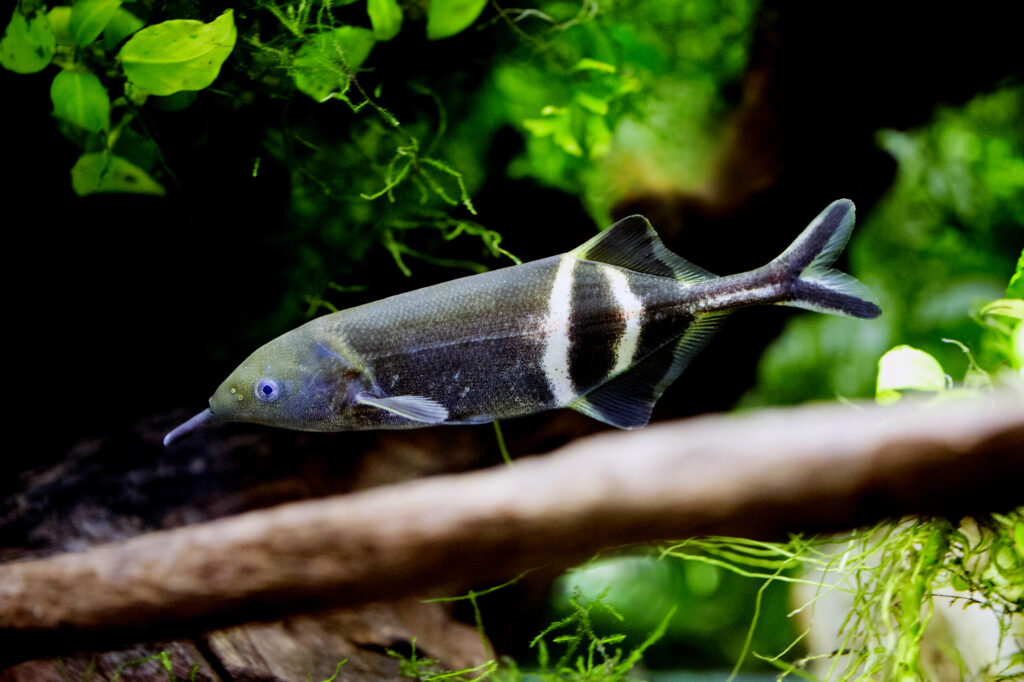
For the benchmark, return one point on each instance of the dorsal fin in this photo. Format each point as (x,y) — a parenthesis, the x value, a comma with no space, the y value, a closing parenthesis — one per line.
(633,244)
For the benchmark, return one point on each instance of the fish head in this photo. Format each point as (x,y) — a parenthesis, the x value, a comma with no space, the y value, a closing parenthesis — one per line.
(297,381)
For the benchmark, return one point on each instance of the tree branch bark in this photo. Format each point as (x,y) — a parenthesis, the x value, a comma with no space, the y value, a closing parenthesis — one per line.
(764,474)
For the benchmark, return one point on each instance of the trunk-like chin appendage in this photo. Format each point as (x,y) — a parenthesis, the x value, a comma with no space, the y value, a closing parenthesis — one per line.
(188,427)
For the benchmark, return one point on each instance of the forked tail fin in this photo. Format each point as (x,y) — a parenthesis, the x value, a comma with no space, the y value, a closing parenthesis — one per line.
(806,265)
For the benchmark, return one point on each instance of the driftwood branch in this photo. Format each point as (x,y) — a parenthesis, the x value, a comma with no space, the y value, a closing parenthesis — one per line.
(757,475)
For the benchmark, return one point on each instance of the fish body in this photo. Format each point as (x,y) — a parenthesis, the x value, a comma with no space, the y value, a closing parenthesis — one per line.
(603,329)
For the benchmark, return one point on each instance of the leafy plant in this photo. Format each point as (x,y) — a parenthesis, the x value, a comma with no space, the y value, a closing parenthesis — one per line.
(28,42)
(906,369)
(588,655)
(163,59)
(937,250)
(606,94)
(177,55)
(891,576)
(413,667)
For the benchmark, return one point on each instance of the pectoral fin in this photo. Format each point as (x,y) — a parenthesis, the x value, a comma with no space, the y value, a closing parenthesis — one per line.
(413,407)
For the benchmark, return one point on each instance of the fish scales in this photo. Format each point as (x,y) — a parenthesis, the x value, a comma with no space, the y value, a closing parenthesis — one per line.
(459,343)
(478,345)
(603,329)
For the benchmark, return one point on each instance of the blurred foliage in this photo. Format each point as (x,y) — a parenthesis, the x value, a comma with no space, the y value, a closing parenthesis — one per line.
(701,606)
(609,94)
(938,249)
(722,584)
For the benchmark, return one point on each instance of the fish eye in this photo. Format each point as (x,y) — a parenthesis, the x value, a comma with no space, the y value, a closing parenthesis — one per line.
(267,390)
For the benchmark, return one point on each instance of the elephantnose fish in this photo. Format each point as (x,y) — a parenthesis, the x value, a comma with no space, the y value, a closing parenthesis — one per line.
(603,330)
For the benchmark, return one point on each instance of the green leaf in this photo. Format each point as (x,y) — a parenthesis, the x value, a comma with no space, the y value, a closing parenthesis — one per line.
(386,18)
(88,19)
(177,55)
(103,172)
(598,137)
(1016,288)
(447,17)
(1017,348)
(907,369)
(1005,307)
(596,105)
(81,99)
(588,64)
(324,62)
(556,124)
(60,20)
(28,43)
(120,26)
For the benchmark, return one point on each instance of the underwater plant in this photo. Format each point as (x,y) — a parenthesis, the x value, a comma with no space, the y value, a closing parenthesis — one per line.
(171,59)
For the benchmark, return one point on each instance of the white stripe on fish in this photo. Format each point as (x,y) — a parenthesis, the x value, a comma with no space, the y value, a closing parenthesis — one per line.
(556,349)
(631,309)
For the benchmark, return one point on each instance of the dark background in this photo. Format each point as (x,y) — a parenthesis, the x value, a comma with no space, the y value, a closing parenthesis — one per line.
(125,307)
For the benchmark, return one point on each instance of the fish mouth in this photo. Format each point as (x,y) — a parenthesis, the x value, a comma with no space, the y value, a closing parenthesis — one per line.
(193,424)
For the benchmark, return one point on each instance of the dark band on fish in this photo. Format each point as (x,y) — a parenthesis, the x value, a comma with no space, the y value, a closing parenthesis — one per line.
(596,325)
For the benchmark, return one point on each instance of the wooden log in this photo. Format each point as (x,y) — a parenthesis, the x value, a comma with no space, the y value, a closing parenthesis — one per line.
(758,475)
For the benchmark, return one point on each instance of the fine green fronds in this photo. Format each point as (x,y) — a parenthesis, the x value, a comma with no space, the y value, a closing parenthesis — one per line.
(887,581)
(316,303)
(472,597)
(162,668)
(328,54)
(895,574)
(412,666)
(500,437)
(418,167)
(295,17)
(399,250)
(586,654)
(333,677)
(449,228)
(166,667)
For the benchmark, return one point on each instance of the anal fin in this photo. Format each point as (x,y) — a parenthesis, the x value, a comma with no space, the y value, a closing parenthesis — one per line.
(627,399)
